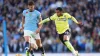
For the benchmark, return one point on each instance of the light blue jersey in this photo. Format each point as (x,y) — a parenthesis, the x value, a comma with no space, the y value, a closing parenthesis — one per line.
(31,19)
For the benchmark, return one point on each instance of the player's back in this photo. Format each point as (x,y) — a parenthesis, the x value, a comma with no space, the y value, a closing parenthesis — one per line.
(31,19)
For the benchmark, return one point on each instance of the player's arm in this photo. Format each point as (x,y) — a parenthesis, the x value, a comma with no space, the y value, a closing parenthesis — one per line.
(39,25)
(72,18)
(44,21)
(23,18)
(47,19)
(22,23)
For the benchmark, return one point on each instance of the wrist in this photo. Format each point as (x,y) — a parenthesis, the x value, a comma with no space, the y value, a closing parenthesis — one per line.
(78,23)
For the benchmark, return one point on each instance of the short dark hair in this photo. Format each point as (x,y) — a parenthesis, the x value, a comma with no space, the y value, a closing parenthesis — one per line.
(59,8)
(30,3)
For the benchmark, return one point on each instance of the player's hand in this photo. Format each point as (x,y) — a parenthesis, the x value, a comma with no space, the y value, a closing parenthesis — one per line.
(37,31)
(80,24)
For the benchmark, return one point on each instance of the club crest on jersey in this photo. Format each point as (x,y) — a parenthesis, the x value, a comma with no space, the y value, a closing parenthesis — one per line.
(62,19)
(26,12)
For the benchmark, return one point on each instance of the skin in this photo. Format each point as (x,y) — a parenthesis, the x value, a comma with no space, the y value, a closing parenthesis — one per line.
(31,7)
(38,41)
(59,13)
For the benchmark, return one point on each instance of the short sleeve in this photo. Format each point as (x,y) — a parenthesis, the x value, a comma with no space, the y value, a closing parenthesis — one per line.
(38,14)
(53,17)
(23,13)
(68,15)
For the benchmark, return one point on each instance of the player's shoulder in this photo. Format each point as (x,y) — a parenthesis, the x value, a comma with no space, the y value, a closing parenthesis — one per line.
(37,11)
(26,10)
(66,13)
(54,14)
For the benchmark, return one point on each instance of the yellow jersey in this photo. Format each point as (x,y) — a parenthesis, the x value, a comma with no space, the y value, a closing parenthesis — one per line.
(61,22)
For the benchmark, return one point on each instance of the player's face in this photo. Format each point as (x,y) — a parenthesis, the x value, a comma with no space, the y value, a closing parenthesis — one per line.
(31,7)
(59,13)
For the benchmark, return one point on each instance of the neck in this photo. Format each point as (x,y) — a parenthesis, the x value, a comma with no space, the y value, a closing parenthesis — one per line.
(31,10)
(60,15)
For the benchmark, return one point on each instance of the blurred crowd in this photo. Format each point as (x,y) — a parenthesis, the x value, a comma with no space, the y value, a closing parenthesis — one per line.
(85,38)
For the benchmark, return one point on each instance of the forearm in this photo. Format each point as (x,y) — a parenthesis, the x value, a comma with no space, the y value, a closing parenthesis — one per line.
(44,21)
(74,20)
(23,21)
(39,26)
(22,24)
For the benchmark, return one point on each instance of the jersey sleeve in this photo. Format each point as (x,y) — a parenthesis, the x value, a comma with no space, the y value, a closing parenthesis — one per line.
(38,15)
(23,13)
(53,17)
(47,19)
(68,15)
(71,17)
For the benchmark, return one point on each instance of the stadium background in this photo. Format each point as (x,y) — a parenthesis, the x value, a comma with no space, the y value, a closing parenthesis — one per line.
(85,39)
